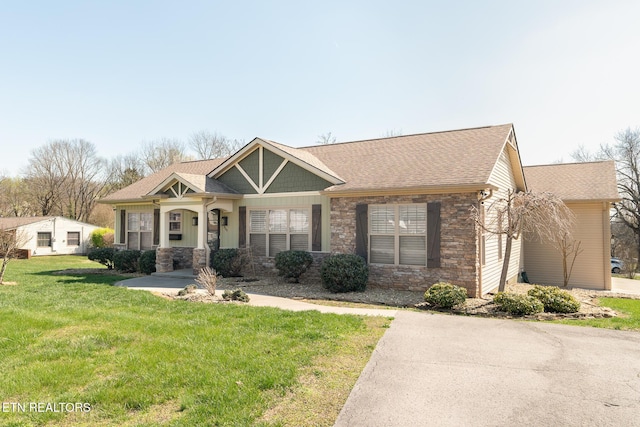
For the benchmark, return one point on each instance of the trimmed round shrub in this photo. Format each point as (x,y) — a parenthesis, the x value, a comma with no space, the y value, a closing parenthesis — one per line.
(101,237)
(445,295)
(147,262)
(102,255)
(554,299)
(292,264)
(344,273)
(518,304)
(227,262)
(126,261)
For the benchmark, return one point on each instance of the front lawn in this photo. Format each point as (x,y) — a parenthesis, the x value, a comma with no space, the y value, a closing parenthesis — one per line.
(138,359)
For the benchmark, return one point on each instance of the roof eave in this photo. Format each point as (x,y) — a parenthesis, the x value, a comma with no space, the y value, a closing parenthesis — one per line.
(435,189)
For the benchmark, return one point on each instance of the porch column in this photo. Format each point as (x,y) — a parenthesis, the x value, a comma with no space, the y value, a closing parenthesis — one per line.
(164,227)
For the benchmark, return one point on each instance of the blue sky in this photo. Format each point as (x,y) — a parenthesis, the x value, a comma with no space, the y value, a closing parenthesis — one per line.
(117,73)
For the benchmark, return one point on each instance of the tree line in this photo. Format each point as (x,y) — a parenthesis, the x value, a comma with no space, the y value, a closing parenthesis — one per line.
(66,177)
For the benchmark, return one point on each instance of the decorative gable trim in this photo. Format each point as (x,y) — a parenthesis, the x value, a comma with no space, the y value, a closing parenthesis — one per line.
(169,183)
(261,176)
(245,151)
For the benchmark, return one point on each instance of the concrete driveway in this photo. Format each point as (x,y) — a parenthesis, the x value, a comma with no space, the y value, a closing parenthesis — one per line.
(439,370)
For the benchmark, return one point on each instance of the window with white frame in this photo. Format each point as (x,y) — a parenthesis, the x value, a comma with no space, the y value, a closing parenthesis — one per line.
(398,234)
(276,230)
(139,230)
(175,221)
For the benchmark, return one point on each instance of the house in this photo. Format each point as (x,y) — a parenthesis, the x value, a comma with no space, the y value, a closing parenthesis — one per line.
(588,189)
(402,203)
(51,235)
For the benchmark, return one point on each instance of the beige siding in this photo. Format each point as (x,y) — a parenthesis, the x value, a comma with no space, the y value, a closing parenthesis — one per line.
(229,234)
(189,231)
(502,177)
(140,208)
(543,263)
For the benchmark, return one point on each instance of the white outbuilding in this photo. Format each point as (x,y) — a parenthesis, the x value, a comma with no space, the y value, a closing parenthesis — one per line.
(51,235)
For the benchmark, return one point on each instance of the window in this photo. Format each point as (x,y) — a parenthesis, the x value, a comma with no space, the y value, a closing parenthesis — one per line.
(73,238)
(398,234)
(276,230)
(139,231)
(44,239)
(175,221)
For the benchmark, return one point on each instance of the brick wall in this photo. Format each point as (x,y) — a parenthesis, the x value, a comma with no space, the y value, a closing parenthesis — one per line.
(458,248)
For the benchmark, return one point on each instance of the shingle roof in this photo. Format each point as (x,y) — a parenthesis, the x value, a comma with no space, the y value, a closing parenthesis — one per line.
(463,157)
(454,158)
(14,222)
(147,184)
(575,181)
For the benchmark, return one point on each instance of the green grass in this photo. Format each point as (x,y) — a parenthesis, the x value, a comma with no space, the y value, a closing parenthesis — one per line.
(138,359)
(628,319)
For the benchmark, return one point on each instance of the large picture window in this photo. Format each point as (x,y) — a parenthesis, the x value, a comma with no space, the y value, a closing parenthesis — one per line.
(398,234)
(276,230)
(139,230)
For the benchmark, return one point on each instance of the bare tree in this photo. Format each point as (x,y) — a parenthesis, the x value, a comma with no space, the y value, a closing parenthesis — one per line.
(160,153)
(392,132)
(569,249)
(626,152)
(13,199)
(124,170)
(66,177)
(212,145)
(10,243)
(326,139)
(537,214)
(582,154)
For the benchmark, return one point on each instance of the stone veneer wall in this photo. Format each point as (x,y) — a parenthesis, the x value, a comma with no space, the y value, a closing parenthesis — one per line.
(199,260)
(266,267)
(182,257)
(458,242)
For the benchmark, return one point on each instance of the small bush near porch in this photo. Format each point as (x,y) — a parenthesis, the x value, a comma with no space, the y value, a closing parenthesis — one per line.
(138,359)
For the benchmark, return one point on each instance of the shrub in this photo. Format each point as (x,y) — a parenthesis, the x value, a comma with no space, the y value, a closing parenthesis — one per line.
(292,264)
(101,237)
(235,295)
(189,289)
(126,261)
(344,273)
(554,299)
(102,255)
(445,295)
(227,262)
(208,279)
(518,304)
(147,262)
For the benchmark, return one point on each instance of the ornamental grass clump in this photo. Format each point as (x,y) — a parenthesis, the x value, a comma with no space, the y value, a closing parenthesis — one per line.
(207,278)
(554,299)
(445,295)
(518,304)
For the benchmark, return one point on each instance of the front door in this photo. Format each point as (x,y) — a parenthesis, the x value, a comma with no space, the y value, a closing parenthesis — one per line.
(213,229)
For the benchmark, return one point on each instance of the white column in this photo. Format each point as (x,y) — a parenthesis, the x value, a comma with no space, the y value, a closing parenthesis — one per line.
(164,226)
(202,227)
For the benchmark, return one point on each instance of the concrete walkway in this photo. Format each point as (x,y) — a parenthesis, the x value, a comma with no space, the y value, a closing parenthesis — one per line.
(439,370)
(172,283)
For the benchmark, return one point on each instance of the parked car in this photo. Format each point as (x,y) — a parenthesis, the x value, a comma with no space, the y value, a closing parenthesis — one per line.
(616,265)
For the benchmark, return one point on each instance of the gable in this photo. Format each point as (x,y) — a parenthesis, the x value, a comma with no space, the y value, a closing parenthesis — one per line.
(261,170)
